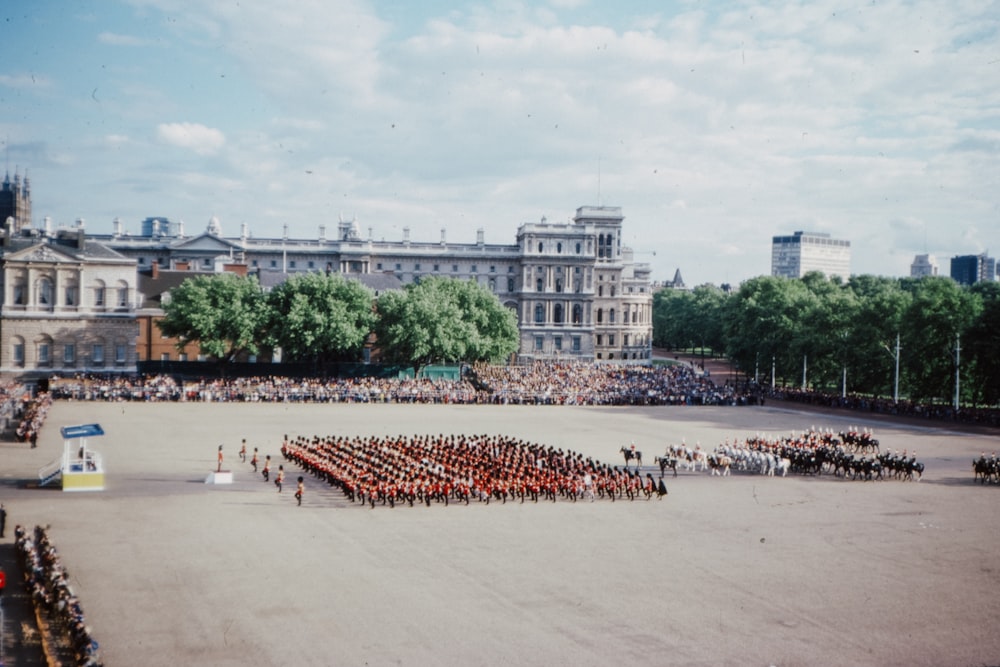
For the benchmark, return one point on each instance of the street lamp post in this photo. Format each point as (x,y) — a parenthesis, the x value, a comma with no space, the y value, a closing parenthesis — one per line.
(895,389)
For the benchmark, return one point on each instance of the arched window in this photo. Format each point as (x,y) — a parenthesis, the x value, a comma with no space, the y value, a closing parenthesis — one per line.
(122,294)
(510,284)
(539,246)
(612,290)
(578,248)
(557,313)
(577,314)
(600,315)
(539,285)
(559,248)
(43,350)
(539,313)
(611,316)
(559,285)
(600,290)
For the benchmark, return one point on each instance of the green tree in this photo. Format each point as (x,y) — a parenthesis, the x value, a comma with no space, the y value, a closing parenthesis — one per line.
(939,313)
(982,345)
(319,317)
(224,314)
(763,325)
(881,303)
(442,320)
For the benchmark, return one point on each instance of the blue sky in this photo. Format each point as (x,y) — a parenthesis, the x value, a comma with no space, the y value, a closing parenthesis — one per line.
(713,125)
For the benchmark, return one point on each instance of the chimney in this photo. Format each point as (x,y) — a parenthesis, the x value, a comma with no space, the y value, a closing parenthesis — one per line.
(154,270)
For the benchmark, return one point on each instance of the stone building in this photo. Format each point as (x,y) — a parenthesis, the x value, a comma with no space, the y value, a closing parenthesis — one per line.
(576,291)
(66,304)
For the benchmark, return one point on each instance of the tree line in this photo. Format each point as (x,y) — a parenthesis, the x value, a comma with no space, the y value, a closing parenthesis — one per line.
(826,330)
(318,317)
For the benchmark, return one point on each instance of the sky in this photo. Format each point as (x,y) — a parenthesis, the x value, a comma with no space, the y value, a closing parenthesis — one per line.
(713,125)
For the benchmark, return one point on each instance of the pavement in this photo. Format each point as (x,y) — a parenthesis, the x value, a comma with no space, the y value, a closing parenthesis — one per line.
(745,570)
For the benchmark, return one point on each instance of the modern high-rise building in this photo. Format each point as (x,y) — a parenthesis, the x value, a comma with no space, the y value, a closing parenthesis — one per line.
(970,269)
(796,255)
(923,266)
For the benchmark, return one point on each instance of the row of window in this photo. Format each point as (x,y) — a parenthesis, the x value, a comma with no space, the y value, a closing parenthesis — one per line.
(557,343)
(45,295)
(44,351)
(558,314)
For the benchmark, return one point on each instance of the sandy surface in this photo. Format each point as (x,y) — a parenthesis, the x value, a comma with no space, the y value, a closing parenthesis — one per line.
(739,571)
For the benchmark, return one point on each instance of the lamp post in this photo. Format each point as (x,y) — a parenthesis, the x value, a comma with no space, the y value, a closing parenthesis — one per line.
(895,390)
(958,352)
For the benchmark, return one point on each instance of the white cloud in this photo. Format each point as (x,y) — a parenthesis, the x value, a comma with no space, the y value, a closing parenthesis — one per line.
(194,136)
(23,80)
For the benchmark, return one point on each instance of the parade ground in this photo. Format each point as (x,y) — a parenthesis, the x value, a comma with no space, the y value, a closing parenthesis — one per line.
(744,570)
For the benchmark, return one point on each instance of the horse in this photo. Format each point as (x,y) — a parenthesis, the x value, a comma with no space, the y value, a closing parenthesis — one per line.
(666,462)
(720,464)
(632,454)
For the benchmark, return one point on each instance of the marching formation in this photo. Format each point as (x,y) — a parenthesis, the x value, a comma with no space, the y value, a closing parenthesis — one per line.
(51,594)
(443,468)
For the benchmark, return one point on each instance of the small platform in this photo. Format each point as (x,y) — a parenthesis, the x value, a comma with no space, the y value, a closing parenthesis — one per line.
(224,477)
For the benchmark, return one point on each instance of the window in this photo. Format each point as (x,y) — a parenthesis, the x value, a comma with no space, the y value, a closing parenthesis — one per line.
(274,264)
(121,353)
(493,285)
(97,354)
(71,295)
(474,268)
(538,285)
(557,343)
(539,246)
(625,340)
(44,292)
(454,268)
(611,341)
(399,267)
(291,264)
(612,290)
(253,263)
(577,313)
(578,248)
(99,296)
(599,339)
(182,356)
(311,264)
(539,343)
(416,267)
(142,261)
(600,316)
(164,356)
(576,343)
(557,313)
(493,268)
(19,295)
(510,269)
(611,316)
(559,248)
(206,262)
(44,354)
(539,313)
(558,284)
(122,297)
(378,267)
(17,352)
(510,284)
(69,354)
(600,290)
(437,267)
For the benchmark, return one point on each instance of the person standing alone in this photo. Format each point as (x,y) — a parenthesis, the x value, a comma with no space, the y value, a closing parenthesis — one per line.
(300,490)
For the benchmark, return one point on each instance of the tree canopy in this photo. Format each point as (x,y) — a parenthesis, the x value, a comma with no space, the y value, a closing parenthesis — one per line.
(225,314)
(320,317)
(839,329)
(442,320)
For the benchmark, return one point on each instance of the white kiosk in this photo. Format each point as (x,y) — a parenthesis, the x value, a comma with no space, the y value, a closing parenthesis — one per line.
(80,468)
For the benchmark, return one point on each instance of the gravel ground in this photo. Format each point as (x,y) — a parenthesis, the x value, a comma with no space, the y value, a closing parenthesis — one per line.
(745,570)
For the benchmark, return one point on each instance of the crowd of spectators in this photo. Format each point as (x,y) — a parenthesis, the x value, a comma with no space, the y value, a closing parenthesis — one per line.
(570,383)
(887,406)
(53,597)
(439,468)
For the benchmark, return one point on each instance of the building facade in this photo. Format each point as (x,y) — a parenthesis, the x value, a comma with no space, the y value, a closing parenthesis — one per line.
(796,255)
(66,304)
(15,202)
(971,269)
(577,293)
(924,266)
